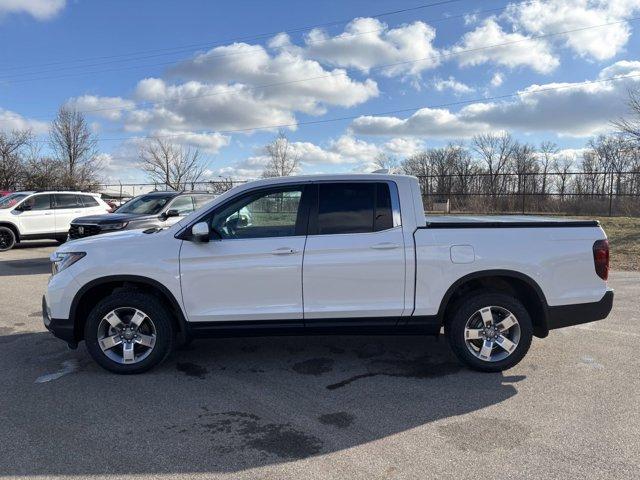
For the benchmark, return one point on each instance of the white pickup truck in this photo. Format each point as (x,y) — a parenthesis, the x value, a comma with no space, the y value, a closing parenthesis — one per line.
(328,254)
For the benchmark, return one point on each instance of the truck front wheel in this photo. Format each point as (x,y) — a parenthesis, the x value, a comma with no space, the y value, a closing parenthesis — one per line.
(489,331)
(129,332)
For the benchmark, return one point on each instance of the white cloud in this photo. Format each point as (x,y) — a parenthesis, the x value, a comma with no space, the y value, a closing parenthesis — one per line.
(367,43)
(572,109)
(452,84)
(427,122)
(223,90)
(14,121)
(39,9)
(207,142)
(497,79)
(479,46)
(602,43)
(107,107)
(404,146)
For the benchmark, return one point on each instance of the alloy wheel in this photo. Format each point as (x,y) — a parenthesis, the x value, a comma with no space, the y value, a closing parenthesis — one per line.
(126,335)
(492,333)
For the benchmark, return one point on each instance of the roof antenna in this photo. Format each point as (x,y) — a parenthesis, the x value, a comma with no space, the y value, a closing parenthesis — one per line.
(382,170)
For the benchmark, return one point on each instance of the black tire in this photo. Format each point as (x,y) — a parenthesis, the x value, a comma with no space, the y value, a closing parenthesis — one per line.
(154,310)
(463,311)
(7,239)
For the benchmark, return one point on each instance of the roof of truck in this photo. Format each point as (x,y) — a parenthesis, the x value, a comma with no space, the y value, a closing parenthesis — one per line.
(331,177)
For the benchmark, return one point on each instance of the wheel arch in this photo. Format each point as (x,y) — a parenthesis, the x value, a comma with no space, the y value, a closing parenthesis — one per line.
(94,291)
(516,283)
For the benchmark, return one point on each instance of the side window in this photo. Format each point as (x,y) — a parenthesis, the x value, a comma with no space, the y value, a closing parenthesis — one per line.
(269,213)
(88,201)
(184,205)
(345,208)
(201,200)
(67,200)
(354,208)
(38,202)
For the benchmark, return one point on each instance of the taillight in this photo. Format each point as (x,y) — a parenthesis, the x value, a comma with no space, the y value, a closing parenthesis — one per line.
(601,258)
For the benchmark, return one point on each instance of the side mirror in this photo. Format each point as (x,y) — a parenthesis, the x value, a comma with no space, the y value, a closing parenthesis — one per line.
(200,232)
(23,208)
(170,213)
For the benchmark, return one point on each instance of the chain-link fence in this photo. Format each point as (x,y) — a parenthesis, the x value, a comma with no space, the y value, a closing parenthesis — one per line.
(562,193)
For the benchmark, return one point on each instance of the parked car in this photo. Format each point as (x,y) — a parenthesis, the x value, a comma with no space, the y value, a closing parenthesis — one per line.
(340,254)
(40,215)
(152,210)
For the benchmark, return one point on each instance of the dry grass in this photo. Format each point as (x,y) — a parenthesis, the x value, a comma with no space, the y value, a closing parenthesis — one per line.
(624,239)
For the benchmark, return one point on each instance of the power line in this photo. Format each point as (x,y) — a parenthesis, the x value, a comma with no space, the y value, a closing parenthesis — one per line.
(389,112)
(436,56)
(241,38)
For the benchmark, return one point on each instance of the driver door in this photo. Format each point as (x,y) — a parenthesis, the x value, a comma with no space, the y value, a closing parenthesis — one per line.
(253,269)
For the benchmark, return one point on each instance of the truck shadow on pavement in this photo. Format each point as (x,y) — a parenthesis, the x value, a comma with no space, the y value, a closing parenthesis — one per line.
(228,405)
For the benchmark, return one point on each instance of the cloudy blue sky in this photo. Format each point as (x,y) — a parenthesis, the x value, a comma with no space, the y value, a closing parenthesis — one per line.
(347,80)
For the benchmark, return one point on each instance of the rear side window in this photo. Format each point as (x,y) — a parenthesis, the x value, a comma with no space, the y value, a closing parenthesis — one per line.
(354,208)
(67,200)
(345,208)
(88,201)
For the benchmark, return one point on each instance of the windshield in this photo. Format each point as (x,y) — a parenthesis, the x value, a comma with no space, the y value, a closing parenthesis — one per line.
(145,204)
(11,200)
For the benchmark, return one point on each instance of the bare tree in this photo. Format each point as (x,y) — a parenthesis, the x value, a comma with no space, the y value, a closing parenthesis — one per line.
(631,126)
(385,161)
(74,144)
(546,153)
(562,166)
(283,160)
(496,152)
(12,146)
(170,164)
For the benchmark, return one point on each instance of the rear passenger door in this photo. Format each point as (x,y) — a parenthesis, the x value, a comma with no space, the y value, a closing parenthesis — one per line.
(354,259)
(67,207)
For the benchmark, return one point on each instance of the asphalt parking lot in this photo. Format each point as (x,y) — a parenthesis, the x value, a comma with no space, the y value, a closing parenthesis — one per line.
(317,407)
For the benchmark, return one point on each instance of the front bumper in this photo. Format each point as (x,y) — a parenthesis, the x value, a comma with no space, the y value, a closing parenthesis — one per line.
(63,328)
(566,315)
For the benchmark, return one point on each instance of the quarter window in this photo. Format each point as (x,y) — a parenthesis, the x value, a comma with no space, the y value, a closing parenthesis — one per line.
(88,201)
(270,213)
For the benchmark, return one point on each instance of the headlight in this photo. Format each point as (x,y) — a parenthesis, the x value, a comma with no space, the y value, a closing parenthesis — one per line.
(113,226)
(62,261)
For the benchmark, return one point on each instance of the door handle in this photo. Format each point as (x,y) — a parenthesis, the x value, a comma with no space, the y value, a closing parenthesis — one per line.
(385,246)
(284,251)
(47,213)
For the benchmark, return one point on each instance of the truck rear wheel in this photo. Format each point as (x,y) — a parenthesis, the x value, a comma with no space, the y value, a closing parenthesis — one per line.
(129,332)
(7,239)
(489,331)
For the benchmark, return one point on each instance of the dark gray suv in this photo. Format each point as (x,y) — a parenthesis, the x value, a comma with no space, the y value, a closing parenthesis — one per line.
(151,210)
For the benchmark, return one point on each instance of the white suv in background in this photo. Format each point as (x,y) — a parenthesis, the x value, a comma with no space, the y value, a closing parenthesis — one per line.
(40,215)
